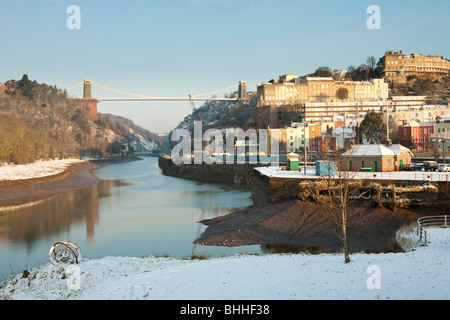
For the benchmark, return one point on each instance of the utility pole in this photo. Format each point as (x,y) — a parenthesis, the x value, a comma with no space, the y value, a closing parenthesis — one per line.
(387,125)
(305,125)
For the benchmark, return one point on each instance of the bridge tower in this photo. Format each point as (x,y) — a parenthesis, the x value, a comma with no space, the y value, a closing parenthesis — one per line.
(89,102)
(87,93)
(242,91)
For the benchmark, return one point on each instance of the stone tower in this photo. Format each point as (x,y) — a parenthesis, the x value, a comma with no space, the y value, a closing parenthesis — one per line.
(87,93)
(89,102)
(242,92)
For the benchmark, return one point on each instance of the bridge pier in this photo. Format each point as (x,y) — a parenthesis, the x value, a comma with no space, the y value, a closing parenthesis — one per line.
(89,102)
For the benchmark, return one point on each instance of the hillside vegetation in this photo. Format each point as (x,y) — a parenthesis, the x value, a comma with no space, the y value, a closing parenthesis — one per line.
(41,122)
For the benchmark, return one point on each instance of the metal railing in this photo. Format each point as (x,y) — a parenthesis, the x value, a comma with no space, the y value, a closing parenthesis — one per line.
(429,222)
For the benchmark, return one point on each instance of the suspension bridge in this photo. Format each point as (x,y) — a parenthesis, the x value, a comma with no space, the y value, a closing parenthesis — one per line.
(91,102)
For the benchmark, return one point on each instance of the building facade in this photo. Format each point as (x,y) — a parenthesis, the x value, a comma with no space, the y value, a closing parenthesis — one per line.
(442,128)
(417,133)
(397,67)
(295,138)
(291,90)
(324,142)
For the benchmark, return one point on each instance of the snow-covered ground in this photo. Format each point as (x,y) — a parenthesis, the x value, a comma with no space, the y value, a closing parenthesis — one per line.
(38,169)
(420,273)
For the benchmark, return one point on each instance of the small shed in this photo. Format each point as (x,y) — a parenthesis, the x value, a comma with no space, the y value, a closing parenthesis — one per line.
(293,165)
(292,161)
(324,168)
(364,156)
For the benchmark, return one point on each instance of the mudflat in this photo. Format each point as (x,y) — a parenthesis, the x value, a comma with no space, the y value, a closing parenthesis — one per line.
(306,226)
(76,176)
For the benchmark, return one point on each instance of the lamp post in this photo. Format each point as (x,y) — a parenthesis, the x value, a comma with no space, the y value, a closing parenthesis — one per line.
(304,146)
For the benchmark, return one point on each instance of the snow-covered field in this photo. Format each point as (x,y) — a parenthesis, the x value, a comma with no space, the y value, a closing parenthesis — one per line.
(38,169)
(420,273)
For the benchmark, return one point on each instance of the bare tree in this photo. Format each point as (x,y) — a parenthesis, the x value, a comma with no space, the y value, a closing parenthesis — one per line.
(371,62)
(342,188)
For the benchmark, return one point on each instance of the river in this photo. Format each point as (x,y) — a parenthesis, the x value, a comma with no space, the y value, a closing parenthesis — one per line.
(133,211)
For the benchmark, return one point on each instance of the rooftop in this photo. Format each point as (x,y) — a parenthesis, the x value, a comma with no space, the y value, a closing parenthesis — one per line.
(369,150)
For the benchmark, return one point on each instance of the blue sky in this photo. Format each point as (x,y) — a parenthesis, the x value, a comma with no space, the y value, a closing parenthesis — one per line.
(173,48)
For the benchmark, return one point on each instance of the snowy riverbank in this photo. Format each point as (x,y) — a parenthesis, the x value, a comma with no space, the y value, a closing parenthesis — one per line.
(22,185)
(421,273)
(39,169)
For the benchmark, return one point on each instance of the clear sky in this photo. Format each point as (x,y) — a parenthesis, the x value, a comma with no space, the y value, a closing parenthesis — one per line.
(173,48)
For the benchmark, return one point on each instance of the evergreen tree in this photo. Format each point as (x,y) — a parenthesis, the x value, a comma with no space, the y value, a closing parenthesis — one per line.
(26,86)
(371,127)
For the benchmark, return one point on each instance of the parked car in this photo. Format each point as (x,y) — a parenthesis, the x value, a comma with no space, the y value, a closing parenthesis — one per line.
(412,167)
(430,166)
(444,167)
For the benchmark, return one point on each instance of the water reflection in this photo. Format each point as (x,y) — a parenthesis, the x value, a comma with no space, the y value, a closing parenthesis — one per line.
(56,215)
(133,211)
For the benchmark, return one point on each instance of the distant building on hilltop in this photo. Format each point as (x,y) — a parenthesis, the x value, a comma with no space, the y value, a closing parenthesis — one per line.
(339,75)
(397,67)
(291,90)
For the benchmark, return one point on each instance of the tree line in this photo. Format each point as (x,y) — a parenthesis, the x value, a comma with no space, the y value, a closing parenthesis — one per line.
(41,122)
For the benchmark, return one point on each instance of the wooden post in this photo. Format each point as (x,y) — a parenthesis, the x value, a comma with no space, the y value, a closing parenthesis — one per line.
(394,196)
(379,197)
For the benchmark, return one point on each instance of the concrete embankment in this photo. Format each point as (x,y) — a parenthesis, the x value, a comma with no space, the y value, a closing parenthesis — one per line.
(239,174)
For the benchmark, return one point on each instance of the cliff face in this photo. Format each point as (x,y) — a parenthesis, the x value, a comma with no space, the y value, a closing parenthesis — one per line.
(132,138)
(222,114)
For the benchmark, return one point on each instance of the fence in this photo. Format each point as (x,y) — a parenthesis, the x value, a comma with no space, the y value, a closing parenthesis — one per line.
(408,175)
(430,221)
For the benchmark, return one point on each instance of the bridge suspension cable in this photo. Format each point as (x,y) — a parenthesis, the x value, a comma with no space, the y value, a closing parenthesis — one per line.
(205,94)
(152,97)
(75,86)
(122,92)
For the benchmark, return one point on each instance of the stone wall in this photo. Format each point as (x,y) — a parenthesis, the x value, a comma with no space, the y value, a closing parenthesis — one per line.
(239,174)
(386,193)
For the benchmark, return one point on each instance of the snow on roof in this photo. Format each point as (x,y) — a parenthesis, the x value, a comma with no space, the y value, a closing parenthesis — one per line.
(369,150)
(429,123)
(319,79)
(397,148)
